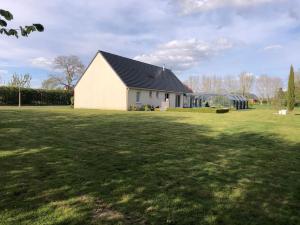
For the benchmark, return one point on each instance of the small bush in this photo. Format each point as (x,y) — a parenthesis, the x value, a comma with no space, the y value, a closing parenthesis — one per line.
(148,108)
(132,108)
(141,108)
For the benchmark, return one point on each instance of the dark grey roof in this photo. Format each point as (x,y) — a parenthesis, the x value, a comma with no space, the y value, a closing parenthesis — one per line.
(247,95)
(137,74)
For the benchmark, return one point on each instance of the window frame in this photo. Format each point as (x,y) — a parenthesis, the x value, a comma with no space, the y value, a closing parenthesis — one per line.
(138,97)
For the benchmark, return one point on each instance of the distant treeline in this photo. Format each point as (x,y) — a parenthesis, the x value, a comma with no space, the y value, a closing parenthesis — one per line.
(10,96)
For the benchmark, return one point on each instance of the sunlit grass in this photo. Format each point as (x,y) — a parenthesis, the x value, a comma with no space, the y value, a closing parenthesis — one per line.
(64,166)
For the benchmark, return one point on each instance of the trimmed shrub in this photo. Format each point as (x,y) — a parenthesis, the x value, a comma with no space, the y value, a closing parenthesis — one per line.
(199,110)
(29,96)
(222,110)
(141,108)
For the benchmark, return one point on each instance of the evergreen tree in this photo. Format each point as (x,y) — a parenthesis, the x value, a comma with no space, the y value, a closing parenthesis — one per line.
(291,91)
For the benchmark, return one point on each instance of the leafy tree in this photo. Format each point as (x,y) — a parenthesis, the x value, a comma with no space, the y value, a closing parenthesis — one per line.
(20,81)
(71,69)
(291,91)
(6,16)
(279,99)
(51,83)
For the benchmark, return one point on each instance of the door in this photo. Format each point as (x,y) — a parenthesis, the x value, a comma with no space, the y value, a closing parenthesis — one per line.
(177,102)
(166,96)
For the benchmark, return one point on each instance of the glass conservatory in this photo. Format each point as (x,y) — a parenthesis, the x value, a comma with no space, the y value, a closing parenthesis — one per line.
(216,100)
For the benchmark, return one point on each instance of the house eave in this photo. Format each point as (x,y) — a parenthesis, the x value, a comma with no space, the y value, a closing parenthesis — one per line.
(149,89)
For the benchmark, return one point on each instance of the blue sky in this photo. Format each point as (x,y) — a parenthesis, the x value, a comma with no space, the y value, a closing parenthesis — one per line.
(192,37)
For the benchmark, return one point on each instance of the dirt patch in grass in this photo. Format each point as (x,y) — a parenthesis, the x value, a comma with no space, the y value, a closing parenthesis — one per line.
(105,213)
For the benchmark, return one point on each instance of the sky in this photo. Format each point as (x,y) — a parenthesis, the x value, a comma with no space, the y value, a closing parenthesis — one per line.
(190,37)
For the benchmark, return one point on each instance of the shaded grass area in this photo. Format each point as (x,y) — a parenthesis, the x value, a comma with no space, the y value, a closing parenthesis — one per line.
(63,166)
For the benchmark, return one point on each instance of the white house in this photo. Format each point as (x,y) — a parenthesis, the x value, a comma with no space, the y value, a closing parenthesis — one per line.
(116,82)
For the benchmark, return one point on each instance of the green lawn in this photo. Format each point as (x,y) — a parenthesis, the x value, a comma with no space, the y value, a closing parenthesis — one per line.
(63,166)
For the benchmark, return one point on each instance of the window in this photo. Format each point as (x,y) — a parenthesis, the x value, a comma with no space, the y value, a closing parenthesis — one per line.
(150,94)
(138,95)
(157,94)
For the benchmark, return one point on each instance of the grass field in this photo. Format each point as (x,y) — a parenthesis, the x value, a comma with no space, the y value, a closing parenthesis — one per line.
(62,166)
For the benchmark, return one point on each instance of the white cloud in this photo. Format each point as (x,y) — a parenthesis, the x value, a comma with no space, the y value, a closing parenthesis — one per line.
(139,26)
(272,47)
(189,6)
(184,54)
(42,62)
(3,72)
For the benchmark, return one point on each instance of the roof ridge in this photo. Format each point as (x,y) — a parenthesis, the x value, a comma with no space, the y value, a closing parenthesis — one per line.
(133,60)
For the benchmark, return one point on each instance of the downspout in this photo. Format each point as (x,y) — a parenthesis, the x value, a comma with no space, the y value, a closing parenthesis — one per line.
(127,92)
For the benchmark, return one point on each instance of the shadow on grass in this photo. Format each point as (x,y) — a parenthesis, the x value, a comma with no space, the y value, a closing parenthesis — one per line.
(134,168)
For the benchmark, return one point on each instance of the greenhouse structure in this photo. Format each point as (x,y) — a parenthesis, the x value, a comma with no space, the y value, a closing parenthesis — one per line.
(217,100)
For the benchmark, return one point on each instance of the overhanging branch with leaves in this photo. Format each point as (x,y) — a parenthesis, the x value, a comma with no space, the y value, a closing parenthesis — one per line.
(24,31)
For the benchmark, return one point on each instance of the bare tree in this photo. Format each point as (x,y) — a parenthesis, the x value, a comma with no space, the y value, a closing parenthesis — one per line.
(20,81)
(202,83)
(231,84)
(221,84)
(213,83)
(70,68)
(267,87)
(217,84)
(246,81)
(261,87)
(193,82)
(206,83)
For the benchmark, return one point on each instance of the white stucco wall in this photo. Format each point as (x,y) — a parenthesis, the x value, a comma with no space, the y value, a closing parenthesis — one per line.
(100,88)
(146,99)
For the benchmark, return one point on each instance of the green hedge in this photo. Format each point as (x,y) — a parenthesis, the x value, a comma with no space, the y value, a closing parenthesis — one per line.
(199,110)
(29,96)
